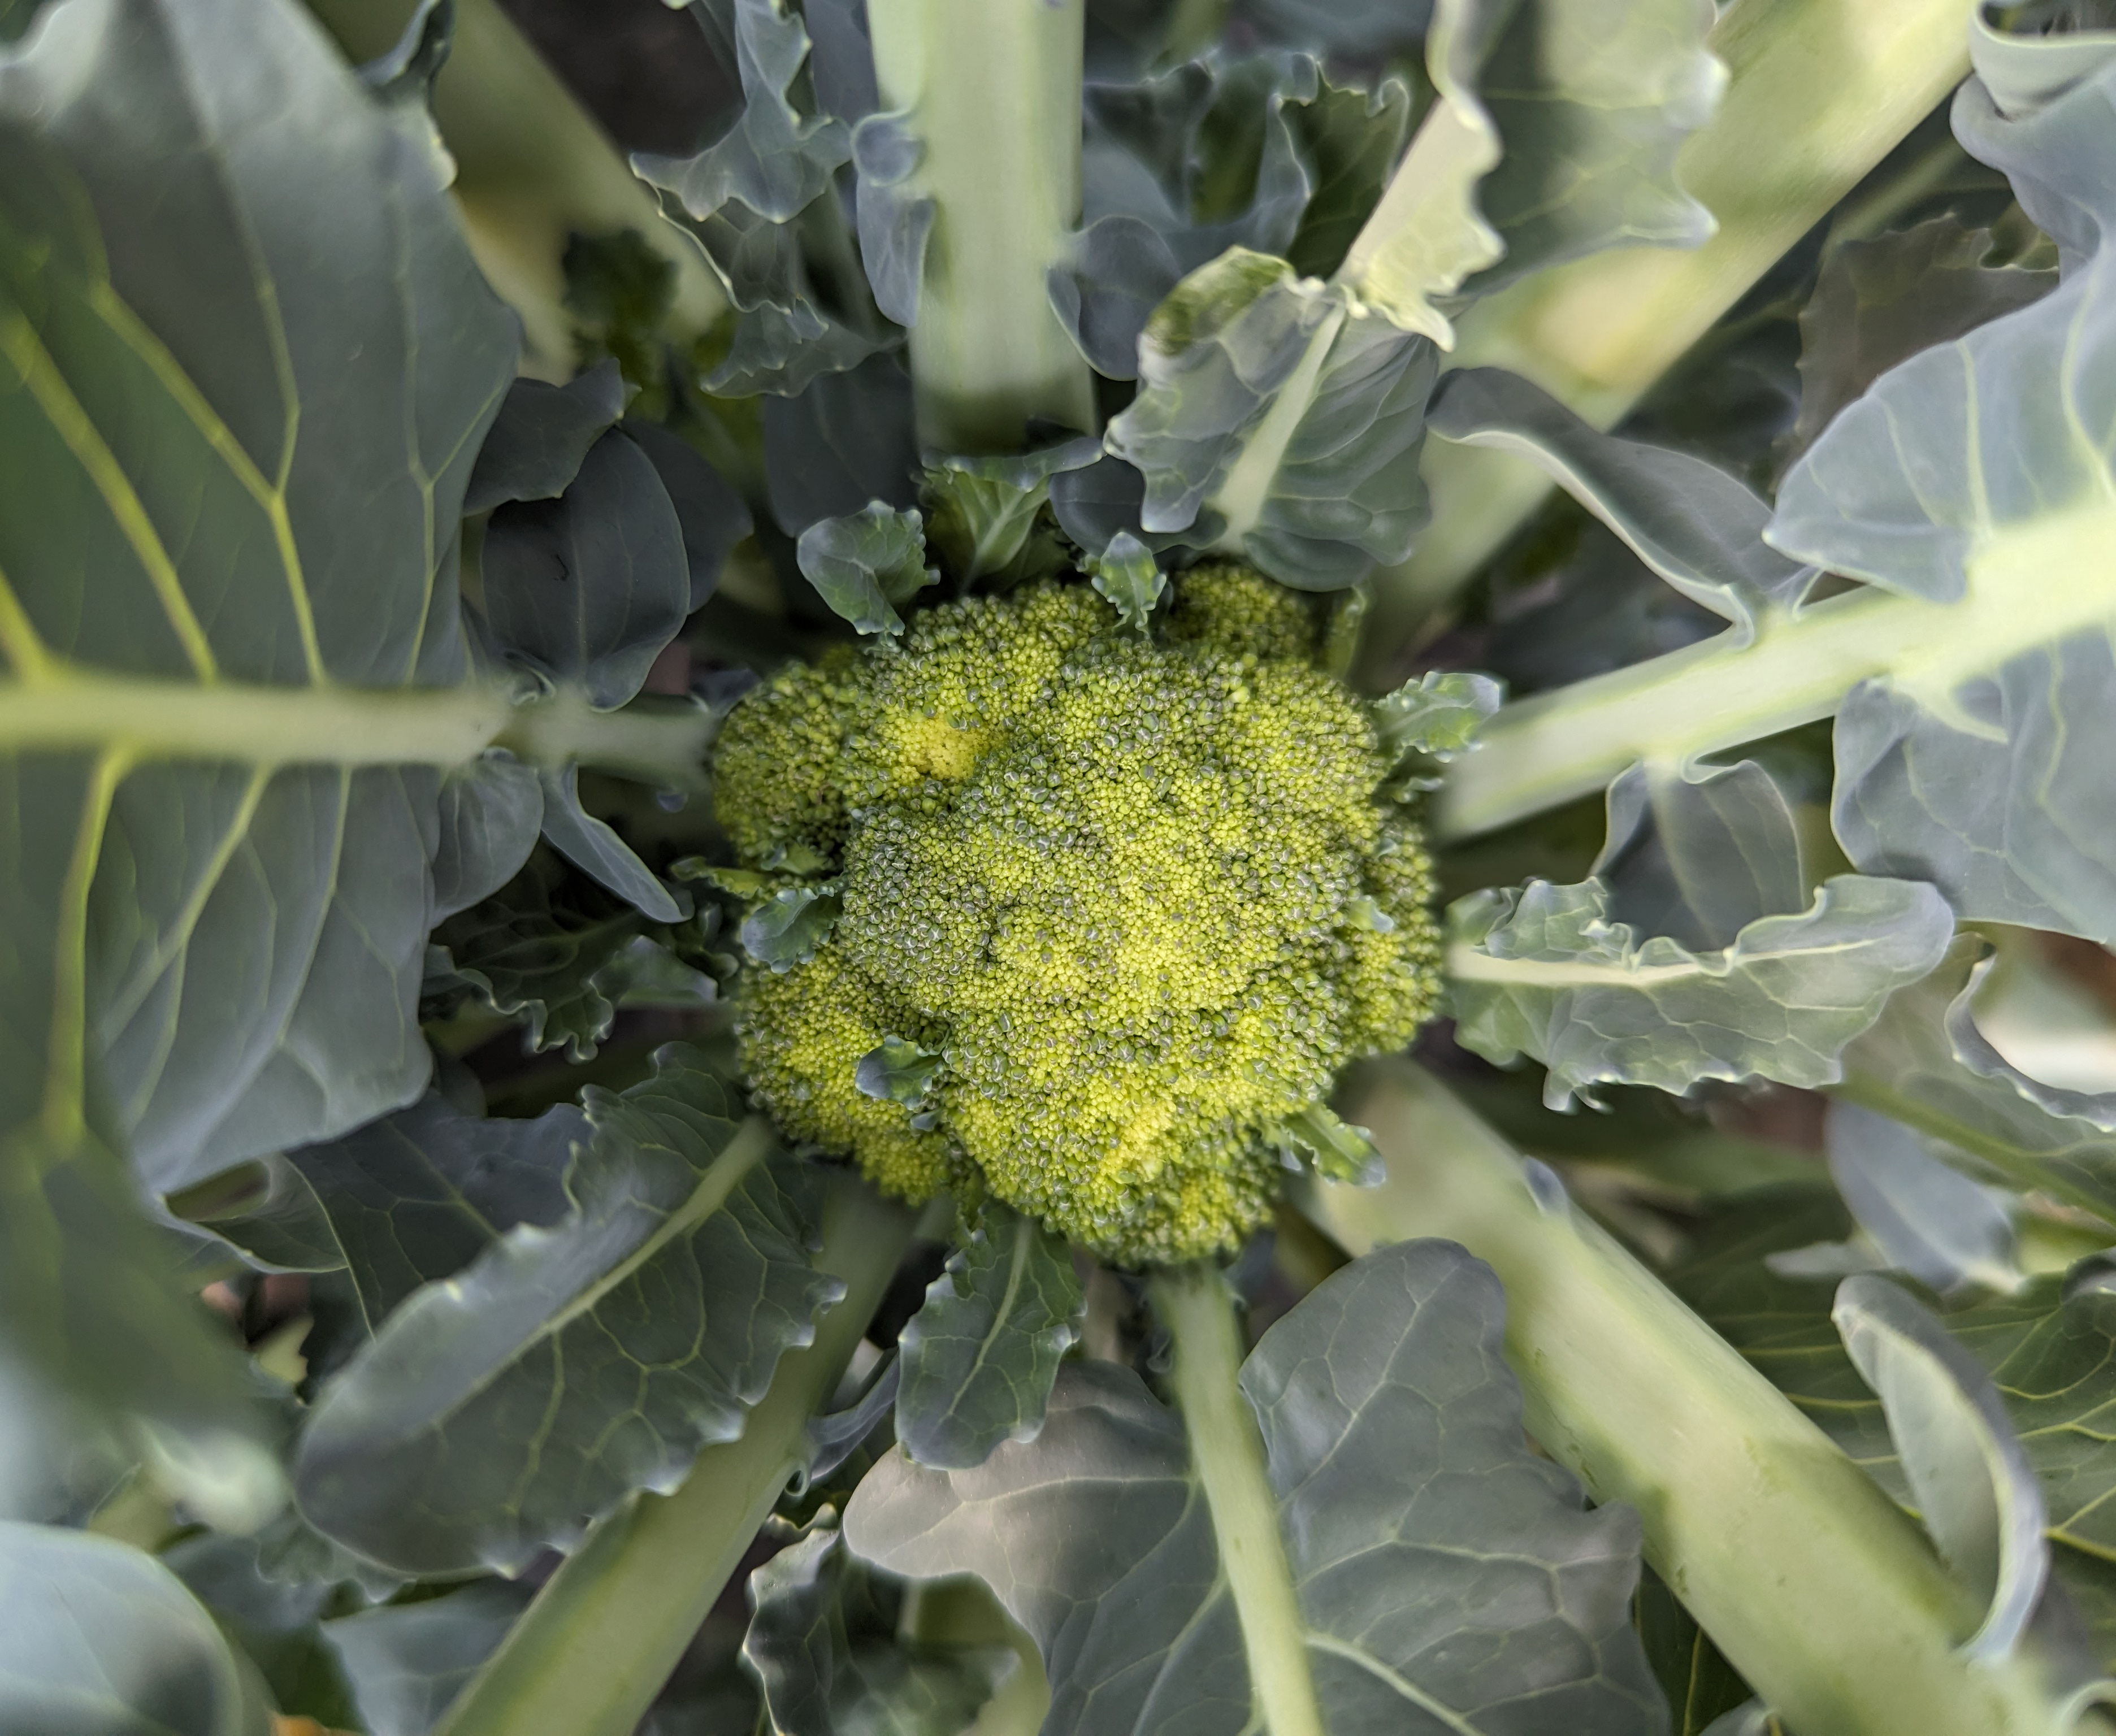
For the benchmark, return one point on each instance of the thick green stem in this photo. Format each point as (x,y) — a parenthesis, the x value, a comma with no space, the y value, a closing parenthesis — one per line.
(533,167)
(2028,585)
(592,1652)
(1820,90)
(992,87)
(1199,1310)
(145,719)
(1823,1594)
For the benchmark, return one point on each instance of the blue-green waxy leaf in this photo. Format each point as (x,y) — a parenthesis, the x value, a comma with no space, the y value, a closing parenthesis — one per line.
(787,928)
(405,1662)
(419,1195)
(710,515)
(822,1643)
(1977,475)
(1555,136)
(1545,972)
(491,812)
(592,846)
(273,1623)
(980,511)
(587,589)
(1694,524)
(869,565)
(843,441)
(1126,574)
(1698,852)
(1926,1064)
(1438,713)
(978,1358)
(1446,1577)
(896,220)
(747,199)
(500,1412)
(1257,151)
(1926,1218)
(202,214)
(1972,1482)
(99,1637)
(896,1070)
(536,444)
(1317,1139)
(1277,421)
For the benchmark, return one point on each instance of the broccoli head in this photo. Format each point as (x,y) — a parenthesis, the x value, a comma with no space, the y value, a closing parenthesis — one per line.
(1114,908)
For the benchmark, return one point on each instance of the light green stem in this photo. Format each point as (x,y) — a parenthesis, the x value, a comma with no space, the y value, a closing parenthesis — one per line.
(145,719)
(1197,1308)
(533,167)
(992,90)
(591,1653)
(1822,1593)
(1820,90)
(2028,585)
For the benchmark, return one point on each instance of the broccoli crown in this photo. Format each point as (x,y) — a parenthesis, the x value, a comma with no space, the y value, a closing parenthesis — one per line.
(1141,896)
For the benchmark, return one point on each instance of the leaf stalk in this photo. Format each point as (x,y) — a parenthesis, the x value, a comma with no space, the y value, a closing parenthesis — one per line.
(992,91)
(1227,1449)
(588,1656)
(1819,1591)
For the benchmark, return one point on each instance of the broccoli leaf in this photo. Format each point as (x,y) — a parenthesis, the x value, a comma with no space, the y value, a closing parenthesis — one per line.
(1545,972)
(586,590)
(1976,475)
(491,814)
(868,564)
(1926,1218)
(556,956)
(788,927)
(843,441)
(898,1072)
(593,846)
(542,434)
(1699,853)
(500,1412)
(1260,152)
(1413,1514)
(407,1662)
(1925,1064)
(822,1641)
(1279,422)
(223,933)
(99,1636)
(1128,576)
(275,1623)
(1555,136)
(1878,302)
(979,1357)
(419,1195)
(1438,713)
(1967,1473)
(980,511)
(895,221)
(1695,526)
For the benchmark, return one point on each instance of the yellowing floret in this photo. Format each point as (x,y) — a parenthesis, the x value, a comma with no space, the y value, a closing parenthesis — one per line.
(1141,894)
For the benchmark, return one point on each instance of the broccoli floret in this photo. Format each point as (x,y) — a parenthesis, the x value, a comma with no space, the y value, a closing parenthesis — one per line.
(1140,895)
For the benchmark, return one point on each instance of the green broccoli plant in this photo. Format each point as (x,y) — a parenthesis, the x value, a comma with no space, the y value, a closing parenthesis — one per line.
(1097,867)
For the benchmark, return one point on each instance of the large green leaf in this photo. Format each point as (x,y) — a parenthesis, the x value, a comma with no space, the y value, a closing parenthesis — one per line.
(1925,1064)
(1554,135)
(213,533)
(407,1662)
(978,1358)
(420,1194)
(1977,475)
(499,1412)
(96,1636)
(1447,1579)
(1546,971)
(1279,421)
(823,1643)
